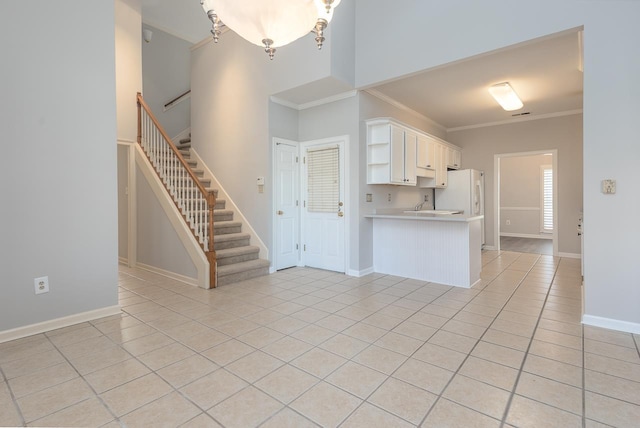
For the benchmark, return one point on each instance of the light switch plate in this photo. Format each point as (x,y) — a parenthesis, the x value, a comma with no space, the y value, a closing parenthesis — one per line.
(608,187)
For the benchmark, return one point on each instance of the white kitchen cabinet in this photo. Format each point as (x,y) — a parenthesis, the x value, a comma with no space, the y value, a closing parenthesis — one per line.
(391,154)
(454,158)
(441,166)
(426,152)
(400,154)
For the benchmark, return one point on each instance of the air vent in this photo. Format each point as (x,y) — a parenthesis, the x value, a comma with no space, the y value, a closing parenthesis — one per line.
(521,114)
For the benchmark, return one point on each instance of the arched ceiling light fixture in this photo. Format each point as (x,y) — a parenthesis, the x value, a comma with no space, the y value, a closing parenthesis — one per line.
(270,23)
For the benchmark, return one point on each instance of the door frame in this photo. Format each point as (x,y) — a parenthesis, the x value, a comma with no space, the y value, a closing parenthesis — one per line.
(343,142)
(496,193)
(274,217)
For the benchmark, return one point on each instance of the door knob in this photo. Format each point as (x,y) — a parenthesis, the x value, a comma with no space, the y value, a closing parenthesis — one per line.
(340,214)
(280,212)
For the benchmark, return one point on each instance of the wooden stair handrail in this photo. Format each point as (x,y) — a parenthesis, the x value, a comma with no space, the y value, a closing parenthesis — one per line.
(175,150)
(209,196)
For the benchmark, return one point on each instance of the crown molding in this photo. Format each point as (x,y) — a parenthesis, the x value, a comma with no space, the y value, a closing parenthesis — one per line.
(403,107)
(516,120)
(316,103)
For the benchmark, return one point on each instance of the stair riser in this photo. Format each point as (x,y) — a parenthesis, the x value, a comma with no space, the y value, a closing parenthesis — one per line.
(242,276)
(222,217)
(225,230)
(217,245)
(237,259)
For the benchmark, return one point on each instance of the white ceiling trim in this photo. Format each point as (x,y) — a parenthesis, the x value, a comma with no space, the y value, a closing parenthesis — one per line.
(316,103)
(403,107)
(516,120)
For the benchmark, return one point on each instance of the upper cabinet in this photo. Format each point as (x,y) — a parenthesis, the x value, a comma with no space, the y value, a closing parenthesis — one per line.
(391,154)
(454,157)
(399,154)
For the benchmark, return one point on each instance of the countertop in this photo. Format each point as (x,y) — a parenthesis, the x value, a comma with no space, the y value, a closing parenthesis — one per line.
(422,216)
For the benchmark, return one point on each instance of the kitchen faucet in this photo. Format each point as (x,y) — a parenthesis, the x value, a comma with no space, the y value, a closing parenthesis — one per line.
(418,207)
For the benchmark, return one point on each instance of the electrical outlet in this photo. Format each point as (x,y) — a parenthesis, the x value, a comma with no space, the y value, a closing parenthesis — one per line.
(508,222)
(426,198)
(608,187)
(41,284)
(369,197)
(389,197)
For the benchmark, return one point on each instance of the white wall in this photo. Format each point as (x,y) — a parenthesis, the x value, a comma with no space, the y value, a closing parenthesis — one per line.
(166,73)
(520,197)
(58,170)
(437,33)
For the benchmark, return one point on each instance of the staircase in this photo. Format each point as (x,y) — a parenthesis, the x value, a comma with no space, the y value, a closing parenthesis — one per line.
(237,259)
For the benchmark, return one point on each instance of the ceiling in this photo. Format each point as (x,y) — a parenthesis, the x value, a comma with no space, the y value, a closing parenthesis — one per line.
(544,73)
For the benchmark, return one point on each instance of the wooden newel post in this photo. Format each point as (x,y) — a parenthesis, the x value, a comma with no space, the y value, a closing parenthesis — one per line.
(211,253)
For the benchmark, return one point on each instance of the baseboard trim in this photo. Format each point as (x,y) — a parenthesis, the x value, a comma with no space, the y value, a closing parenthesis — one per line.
(611,324)
(570,255)
(171,275)
(525,235)
(360,273)
(41,327)
(123,260)
(489,248)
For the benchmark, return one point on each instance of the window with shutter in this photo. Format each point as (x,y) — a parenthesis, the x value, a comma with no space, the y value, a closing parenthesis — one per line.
(546,186)
(323,183)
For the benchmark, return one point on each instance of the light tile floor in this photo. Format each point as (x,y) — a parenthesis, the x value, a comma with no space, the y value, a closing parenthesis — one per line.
(305,347)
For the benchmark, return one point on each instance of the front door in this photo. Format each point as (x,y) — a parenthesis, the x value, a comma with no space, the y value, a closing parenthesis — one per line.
(323,206)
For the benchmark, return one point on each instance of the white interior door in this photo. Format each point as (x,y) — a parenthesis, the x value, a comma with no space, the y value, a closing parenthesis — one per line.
(286,205)
(323,207)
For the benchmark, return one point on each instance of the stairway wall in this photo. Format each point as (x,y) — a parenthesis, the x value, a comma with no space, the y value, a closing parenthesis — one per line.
(159,246)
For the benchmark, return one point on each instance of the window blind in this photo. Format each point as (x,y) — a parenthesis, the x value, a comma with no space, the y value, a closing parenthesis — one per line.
(547,199)
(323,179)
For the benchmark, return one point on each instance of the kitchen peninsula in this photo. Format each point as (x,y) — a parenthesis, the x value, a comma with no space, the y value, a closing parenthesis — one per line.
(442,248)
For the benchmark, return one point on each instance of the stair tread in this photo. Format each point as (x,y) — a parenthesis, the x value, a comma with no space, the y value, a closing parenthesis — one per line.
(242,266)
(185,140)
(229,252)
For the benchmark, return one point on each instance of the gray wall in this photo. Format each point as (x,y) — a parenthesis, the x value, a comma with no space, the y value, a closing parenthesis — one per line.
(231,126)
(159,245)
(561,133)
(431,34)
(123,201)
(58,170)
(520,202)
(166,74)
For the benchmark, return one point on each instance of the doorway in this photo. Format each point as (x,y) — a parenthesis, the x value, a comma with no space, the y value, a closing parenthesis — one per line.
(525,202)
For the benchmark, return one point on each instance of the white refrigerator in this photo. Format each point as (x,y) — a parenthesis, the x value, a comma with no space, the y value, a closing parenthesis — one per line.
(464,192)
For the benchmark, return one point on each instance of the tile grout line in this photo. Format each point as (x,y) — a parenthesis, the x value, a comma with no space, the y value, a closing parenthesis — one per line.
(526,354)
(440,395)
(584,392)
(14,400)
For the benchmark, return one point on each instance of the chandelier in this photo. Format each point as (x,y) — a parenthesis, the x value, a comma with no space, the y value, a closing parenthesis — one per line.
(270,23)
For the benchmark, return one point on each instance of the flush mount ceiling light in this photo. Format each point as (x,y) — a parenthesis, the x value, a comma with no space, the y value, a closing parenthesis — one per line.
(506,96)
(270,23)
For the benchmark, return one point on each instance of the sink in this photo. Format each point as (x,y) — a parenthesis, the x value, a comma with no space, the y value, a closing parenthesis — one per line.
(440,212)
